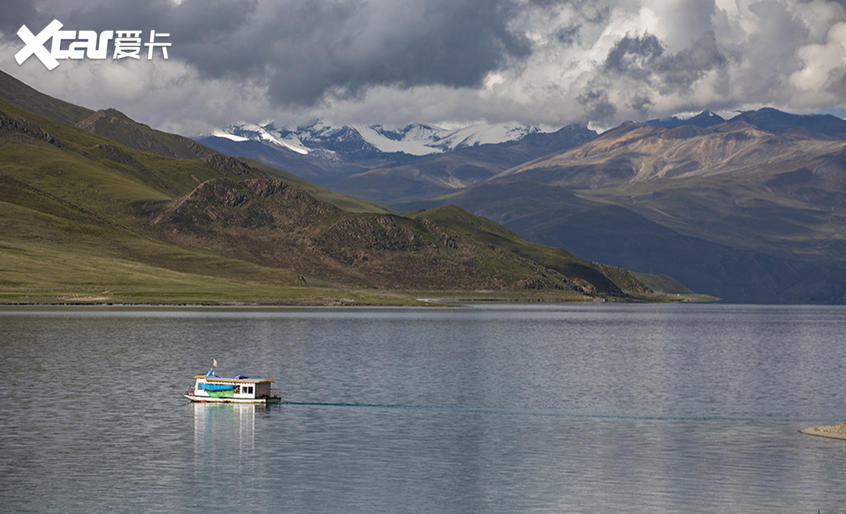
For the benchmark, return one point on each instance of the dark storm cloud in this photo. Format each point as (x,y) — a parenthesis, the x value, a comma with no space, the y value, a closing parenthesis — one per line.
(643,58)
(215,36)
(635,56)
(596,105)
(642,104)
(303,50)
(451,43)
(681,70)
(371,61)
(568,35)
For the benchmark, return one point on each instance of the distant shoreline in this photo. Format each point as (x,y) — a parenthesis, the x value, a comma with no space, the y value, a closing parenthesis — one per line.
(829,431)
(377,299)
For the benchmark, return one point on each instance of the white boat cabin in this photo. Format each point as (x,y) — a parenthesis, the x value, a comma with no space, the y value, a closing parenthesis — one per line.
(214,388)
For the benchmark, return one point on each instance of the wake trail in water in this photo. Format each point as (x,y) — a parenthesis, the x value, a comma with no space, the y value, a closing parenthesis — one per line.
(556,414)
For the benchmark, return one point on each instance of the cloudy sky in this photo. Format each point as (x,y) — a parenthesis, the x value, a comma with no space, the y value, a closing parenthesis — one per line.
(445,61)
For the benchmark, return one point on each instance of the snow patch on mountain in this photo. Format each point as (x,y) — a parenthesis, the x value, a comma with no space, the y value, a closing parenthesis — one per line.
(252,131)
(294,143)
(411,144)
(686,115)
(486,134)
(227,135)
(326,140)
(419,139)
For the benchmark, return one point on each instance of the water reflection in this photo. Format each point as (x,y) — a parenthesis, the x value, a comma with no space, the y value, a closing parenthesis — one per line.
(229,426)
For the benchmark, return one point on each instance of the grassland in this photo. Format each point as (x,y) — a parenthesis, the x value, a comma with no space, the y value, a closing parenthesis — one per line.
(49,259)
(81,222)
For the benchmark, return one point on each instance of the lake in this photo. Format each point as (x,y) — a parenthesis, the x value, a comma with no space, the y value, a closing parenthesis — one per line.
(577,408)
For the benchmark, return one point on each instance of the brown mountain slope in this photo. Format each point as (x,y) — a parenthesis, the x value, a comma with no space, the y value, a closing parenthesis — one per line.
(751,210)
(733,184)
(638,153)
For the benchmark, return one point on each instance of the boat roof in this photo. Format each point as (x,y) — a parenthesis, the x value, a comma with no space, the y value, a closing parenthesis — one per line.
(224,379)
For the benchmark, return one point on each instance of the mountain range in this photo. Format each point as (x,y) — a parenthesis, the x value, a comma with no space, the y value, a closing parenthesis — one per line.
(98,207)
(748,208)
(332,141)
(327,153)
(359,159)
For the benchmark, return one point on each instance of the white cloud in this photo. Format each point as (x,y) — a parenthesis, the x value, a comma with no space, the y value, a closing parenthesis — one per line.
(824,66)
(675,56)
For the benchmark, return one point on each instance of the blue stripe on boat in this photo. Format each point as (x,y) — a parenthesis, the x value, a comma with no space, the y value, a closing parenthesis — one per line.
(217,387)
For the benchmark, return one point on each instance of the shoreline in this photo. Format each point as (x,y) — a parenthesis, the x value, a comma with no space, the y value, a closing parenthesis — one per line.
(829,431)
(310,297)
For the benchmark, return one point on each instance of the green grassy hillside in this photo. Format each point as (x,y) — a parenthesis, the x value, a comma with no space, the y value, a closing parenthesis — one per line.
(273,224)
(69,230)
(86,218)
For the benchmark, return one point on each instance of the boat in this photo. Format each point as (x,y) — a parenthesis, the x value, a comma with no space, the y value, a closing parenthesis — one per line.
(211,388)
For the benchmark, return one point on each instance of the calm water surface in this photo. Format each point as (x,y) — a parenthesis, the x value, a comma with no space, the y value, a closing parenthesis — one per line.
(504,409)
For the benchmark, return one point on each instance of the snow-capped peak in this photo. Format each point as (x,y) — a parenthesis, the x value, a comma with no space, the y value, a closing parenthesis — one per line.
(414,139)
(411,142)
(227,135)
(419,139)
(487,133)
(252,131)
